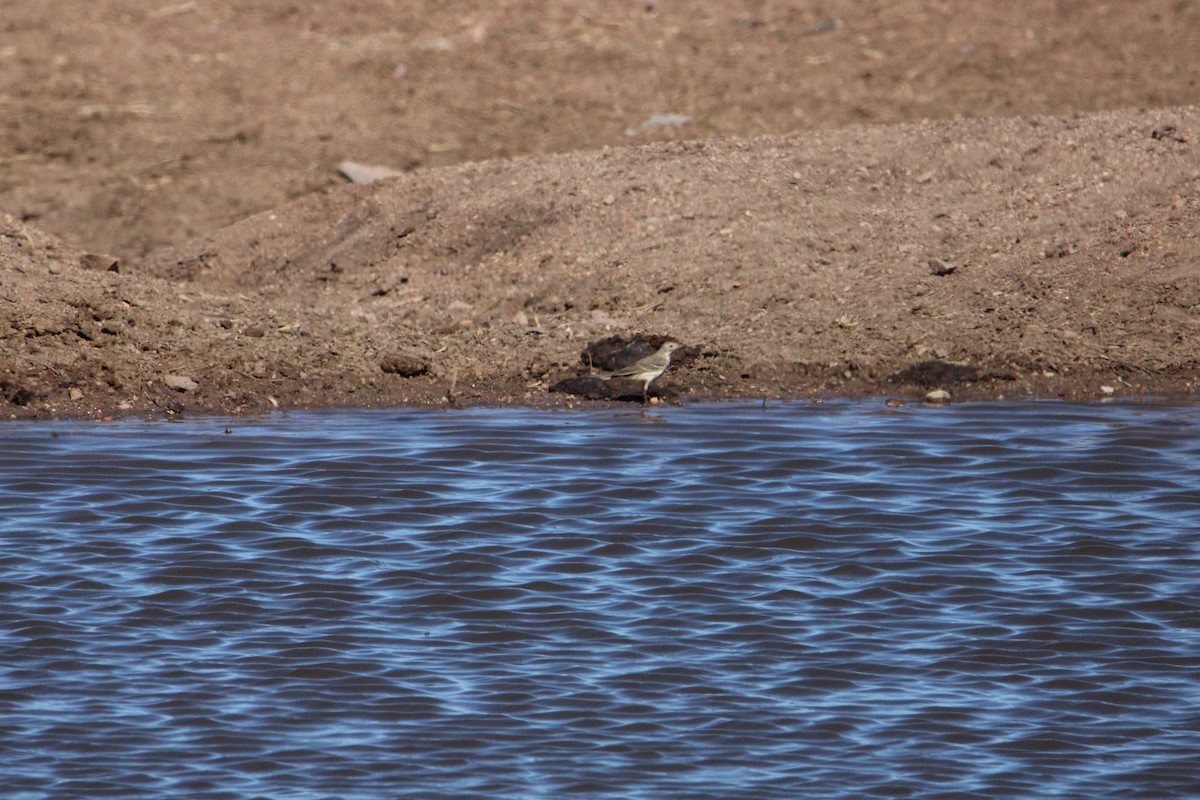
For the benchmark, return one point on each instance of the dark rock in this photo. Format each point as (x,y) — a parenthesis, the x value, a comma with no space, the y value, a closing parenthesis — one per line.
(617,351)
(586,386)
(590,387)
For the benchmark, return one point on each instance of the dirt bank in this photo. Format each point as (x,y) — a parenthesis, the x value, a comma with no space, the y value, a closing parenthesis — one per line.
(996,255)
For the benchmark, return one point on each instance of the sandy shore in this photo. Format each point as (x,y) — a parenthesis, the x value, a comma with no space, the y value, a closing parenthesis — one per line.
(1014,239)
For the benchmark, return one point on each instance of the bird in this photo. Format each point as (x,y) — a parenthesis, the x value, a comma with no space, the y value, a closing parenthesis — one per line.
(645,369)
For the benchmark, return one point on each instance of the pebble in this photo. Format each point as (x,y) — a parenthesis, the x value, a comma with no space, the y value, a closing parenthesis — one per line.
(937,397)
(406,365)
(181,383)
(365,173)
(659,121)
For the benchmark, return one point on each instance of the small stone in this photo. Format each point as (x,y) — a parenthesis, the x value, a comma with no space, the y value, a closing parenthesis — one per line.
(609,199)
(180,383)
(1107,391)
(76,393)
(937,397)
(365,173)
(406,365)
(44,326)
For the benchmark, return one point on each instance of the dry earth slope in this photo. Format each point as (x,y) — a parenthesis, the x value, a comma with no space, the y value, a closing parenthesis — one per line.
(795,265)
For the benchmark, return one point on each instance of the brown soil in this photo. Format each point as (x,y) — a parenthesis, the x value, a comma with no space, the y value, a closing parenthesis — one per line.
(888,197)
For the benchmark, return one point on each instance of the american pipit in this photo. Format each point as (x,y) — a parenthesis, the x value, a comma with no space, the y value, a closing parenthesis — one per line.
(645,369)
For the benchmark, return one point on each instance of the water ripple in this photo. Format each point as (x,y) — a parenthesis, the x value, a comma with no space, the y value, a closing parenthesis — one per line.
(836,601)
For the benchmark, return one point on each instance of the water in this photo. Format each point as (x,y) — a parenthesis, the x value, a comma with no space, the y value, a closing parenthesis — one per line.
(833,601)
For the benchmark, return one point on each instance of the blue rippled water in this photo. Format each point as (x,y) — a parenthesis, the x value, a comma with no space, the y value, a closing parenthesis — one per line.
(817,601)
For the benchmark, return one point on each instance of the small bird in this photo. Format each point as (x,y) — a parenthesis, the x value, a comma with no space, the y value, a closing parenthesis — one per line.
(645,369)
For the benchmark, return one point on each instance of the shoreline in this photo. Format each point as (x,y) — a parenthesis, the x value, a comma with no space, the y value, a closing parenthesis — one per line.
(569,403)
